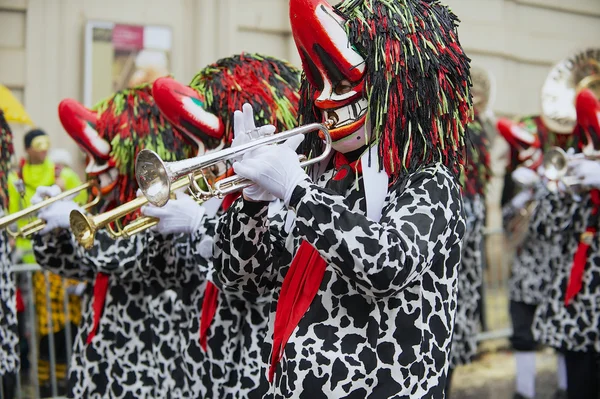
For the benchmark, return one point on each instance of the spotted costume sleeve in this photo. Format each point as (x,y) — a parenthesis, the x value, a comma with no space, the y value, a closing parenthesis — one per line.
(122,257)
(419,222)
(246,242)
(59,253)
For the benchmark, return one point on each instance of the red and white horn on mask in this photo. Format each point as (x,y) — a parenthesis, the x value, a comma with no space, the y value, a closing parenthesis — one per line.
(588,119)
(80,123)
(526,143)
(185,108)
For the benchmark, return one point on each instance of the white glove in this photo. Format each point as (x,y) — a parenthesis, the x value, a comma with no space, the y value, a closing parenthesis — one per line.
(57,215)
(77,289)
(586,172)
(520,200)
(244,130)
(525,176)
(44,192)
(181,215)
(275,168)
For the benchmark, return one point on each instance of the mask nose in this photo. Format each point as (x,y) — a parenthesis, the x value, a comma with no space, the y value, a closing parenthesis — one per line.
(325,95)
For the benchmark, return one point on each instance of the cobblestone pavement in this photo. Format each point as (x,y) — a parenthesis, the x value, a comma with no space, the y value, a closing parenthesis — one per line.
(492,376)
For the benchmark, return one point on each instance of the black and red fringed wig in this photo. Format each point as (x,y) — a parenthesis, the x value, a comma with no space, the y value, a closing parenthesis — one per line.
(130,121)
(477,163)
(6,152)
(417,82)
(268,84)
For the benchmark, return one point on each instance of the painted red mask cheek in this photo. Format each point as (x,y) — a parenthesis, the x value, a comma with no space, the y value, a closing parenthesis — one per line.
(80,123)
(185,108)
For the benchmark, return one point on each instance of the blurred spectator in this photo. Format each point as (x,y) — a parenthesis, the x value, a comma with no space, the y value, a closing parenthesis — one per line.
(34,171)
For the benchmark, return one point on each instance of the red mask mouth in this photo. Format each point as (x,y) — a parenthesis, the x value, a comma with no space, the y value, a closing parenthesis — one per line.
(588,118)
(185,108)
(526,143)
(331,64)
(80,123)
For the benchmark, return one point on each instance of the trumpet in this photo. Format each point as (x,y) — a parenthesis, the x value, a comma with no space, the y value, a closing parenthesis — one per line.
(155,176)
(84,227)
(37,225)
(556,165)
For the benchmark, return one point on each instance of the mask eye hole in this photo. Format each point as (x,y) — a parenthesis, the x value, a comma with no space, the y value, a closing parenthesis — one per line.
(342,87)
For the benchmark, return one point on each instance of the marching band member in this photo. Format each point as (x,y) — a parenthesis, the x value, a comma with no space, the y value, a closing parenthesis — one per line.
(526,215)
(123,346)
(361,264)
(569,314)
(470,276)
(9,339)
(221,348)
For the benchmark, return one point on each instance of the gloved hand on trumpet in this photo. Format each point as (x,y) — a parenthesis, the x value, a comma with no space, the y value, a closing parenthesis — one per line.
(275,170)
(56,214)
(585,172)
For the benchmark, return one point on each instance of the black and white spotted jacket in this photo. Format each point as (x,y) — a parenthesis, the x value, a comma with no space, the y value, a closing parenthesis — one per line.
(231,367)
(9,336)
(381,323)
(574,327)
(530,269)
(470,278)
(124,358)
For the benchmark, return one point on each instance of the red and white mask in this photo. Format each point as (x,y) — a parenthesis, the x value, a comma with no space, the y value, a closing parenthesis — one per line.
(588,118)
(334,69)
(80,123)
(185,108)
(526,143)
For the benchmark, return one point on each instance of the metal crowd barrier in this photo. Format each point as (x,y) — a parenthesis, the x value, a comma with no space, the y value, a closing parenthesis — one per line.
(29,387)
(497,258)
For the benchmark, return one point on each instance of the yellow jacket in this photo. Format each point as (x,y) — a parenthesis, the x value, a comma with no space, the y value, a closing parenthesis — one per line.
(35,176)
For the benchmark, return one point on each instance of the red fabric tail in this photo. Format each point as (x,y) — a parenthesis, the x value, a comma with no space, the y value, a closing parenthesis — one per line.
(229,199)
(581,256)
(100,289)
(209,309)
(300,286)
(19,300)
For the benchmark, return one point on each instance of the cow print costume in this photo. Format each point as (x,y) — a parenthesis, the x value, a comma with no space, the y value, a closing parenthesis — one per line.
(573,327)
(477,175)
(464,341)
(9,338)
(124,359)
(223,362)
(530,272)
(381,324)
(130,354)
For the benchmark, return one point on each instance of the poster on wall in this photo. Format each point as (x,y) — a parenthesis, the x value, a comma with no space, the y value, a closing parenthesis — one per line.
(118,56)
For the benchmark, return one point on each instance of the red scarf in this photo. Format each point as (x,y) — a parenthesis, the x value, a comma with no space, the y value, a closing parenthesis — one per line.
(302,282)
(581,256)
(211,294)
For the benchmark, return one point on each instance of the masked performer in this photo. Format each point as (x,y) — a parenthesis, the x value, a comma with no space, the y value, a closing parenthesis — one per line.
(531,269)
(116,352)
(477,174)
(363,287)
(221,349)
(569,315)
(9,339)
